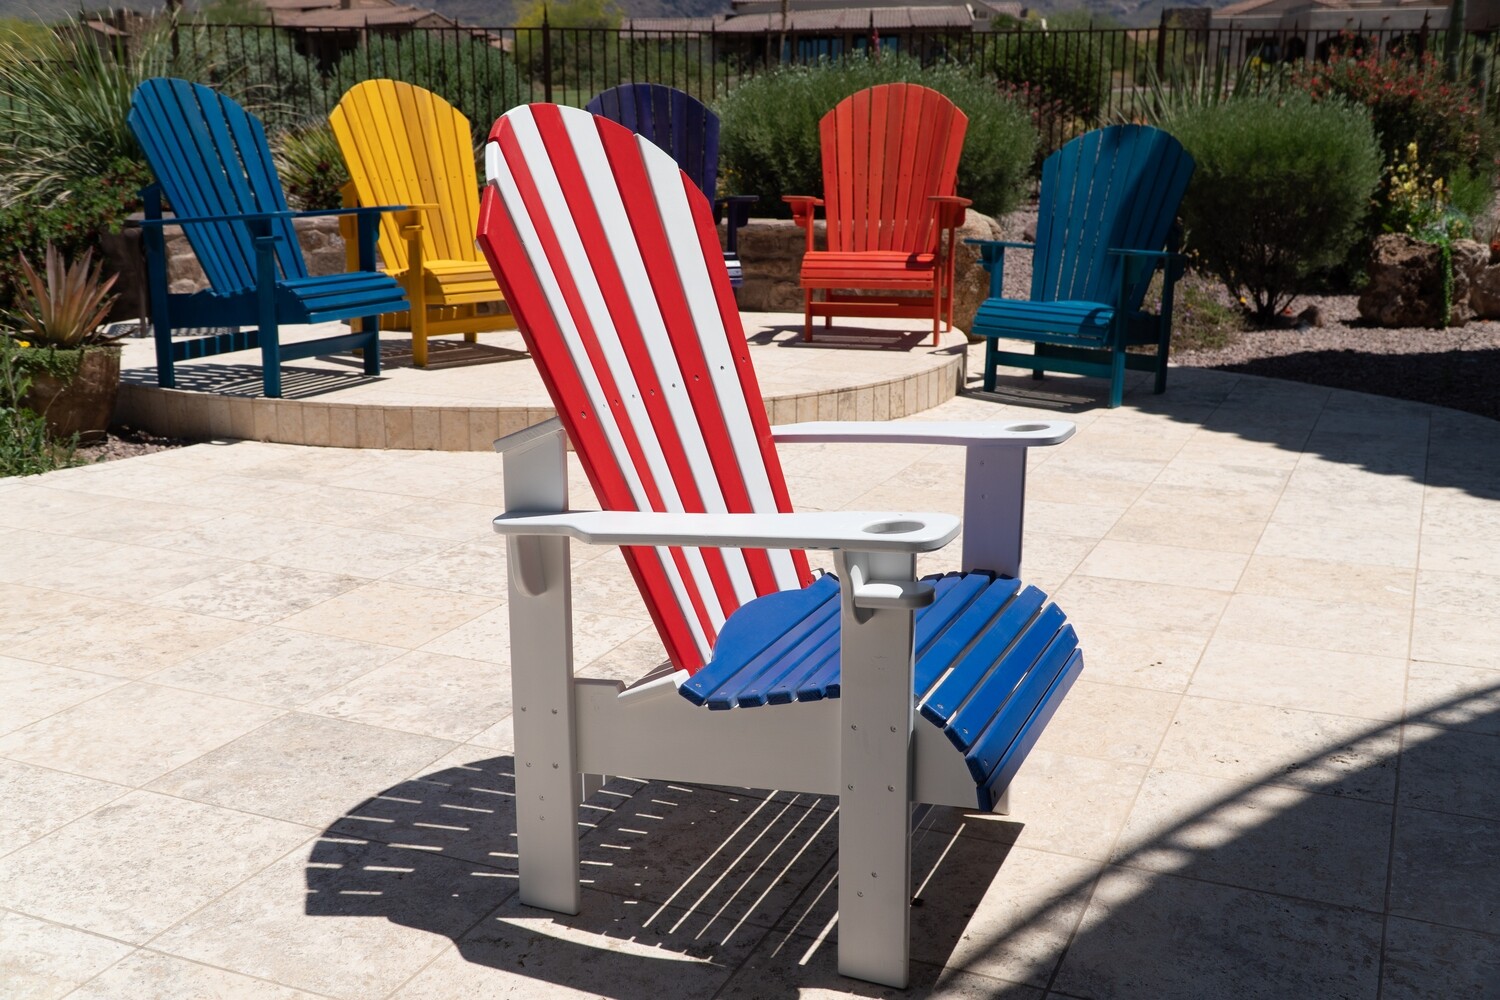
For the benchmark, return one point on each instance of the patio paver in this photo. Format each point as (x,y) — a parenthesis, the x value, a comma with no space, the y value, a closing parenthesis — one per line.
(242,758)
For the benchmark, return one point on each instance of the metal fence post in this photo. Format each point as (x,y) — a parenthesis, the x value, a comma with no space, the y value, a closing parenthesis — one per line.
(546,57)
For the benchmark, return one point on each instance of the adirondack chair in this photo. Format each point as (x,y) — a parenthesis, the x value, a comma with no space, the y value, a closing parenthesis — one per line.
(890,165)
(406,145)
(608,254)
(214,167)
(680,124)
(1105,224)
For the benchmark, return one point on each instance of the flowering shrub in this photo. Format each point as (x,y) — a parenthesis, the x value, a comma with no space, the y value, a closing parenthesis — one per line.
(1418,204)
(73,223)
(1410,102)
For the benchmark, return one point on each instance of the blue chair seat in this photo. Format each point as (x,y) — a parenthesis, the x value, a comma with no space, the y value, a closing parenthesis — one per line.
(1062,322)
(339,296)
(993,661)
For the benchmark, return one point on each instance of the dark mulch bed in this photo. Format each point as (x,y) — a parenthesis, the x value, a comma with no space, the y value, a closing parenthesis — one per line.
(126,442)
(1458,367)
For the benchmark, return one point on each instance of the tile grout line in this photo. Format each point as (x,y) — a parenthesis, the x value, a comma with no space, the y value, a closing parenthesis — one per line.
(1411,627)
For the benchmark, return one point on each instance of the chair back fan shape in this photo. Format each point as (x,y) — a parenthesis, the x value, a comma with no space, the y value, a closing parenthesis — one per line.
(410,146)
(675,121)
(886,151)
(212,159)
(1112,188)
(609,258)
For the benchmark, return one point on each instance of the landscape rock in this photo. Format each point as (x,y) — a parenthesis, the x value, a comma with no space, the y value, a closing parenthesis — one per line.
(1406,282)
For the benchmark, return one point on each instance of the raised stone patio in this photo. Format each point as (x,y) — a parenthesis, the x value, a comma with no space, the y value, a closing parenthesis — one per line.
(255,738)
(473,393)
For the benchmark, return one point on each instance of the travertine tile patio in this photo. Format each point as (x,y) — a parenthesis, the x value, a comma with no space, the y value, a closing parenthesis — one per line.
(254,734)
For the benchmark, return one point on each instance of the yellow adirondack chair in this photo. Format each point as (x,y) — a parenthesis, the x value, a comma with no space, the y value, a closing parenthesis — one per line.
(407,146)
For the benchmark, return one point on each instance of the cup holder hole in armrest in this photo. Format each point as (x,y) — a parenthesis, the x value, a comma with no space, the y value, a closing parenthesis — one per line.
(893,527)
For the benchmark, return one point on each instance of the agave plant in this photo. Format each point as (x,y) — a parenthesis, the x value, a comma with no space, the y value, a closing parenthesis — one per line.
(65,306)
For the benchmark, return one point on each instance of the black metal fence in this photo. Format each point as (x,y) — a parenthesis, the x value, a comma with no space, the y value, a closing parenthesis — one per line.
(1072,78)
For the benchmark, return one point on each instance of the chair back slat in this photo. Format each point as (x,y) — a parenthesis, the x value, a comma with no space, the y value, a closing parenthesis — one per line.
(886,151)
(407,146)
(607,254)
(211,158)
(675,121)
(1112,188)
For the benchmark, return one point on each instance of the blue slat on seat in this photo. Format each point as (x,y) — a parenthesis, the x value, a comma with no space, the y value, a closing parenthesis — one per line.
(993,661)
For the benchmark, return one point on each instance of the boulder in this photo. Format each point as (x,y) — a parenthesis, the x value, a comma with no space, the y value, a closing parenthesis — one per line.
(1406,282)
(1484,293)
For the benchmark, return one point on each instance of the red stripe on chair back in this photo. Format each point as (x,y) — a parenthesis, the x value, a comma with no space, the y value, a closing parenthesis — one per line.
(610,261)
(886,151)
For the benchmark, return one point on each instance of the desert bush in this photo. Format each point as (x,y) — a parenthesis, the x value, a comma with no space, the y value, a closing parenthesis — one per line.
(1062,74)
(768,138)
(1281,189)
(481,81)
(63,107)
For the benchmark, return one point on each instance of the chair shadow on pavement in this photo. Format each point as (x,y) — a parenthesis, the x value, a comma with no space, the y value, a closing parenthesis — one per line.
(682,885)
(1362,868)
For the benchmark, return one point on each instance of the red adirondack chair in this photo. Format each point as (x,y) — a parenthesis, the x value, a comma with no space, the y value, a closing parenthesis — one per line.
(890,167)
(609,258)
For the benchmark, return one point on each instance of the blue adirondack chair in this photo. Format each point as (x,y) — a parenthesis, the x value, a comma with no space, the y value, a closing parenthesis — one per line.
(689,132)
(1105,224)
(213,166)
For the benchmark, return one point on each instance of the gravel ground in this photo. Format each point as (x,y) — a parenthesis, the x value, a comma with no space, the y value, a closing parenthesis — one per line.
(1458,367)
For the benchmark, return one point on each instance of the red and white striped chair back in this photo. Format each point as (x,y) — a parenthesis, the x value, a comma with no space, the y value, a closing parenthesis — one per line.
(609,258)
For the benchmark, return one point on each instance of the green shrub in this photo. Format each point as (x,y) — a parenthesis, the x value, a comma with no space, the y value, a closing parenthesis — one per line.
(261,68)
(1062,76)
(480,81)
(768,138)
(25,448)
(1280,192)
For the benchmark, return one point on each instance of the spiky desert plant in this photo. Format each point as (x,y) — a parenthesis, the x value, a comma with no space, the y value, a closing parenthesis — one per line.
(65,306)
(63,105)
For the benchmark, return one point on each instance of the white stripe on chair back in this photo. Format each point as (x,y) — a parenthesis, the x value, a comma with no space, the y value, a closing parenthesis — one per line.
(609,258)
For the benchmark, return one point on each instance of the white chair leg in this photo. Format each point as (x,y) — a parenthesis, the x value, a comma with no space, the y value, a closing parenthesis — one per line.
(876,785)
(541,663)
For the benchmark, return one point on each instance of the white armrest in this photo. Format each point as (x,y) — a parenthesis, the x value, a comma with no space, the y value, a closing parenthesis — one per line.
(859,531)
(1016,433)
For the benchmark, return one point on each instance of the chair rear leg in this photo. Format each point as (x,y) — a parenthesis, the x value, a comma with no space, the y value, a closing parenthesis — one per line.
(991,362)
(807,297)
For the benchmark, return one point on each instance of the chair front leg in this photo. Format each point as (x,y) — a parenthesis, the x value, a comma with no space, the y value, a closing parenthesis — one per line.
(875,776)
(369,324)
(269,330)
(548,786)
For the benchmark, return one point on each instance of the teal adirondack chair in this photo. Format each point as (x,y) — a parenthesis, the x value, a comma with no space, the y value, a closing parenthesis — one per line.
(213,166)
(1106,223)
